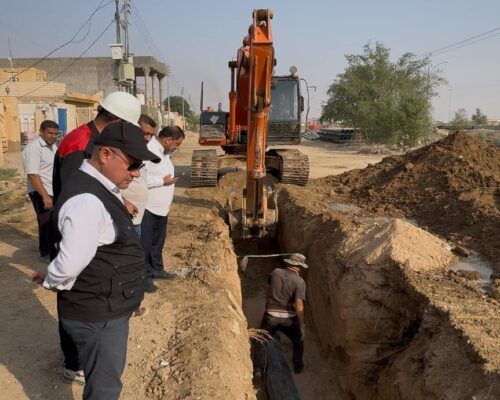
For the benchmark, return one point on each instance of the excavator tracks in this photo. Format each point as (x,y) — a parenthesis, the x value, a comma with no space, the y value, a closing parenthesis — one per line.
(204,168)
(294,167)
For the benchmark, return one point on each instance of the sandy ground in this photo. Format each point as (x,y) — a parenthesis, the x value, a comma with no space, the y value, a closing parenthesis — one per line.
(165,357)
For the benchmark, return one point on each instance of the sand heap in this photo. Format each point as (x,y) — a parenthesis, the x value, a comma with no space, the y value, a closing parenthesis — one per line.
(451,187)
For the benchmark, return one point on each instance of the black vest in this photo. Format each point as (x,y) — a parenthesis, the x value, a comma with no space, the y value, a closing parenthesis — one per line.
(111,285)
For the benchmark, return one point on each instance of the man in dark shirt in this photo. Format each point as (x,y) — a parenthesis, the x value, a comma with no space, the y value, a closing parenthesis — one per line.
(286,294)
(77,145)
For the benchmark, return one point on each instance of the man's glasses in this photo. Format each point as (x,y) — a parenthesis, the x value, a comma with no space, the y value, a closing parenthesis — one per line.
(135,166)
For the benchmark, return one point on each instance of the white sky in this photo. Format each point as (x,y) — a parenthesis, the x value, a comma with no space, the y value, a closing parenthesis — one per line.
(197,38)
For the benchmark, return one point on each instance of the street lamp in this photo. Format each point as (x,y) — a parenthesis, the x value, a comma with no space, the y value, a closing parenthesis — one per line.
(429,72)
(449,104)
(308,106)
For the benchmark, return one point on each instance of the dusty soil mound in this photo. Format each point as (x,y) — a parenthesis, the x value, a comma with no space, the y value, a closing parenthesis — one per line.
(451,187)
(392,323)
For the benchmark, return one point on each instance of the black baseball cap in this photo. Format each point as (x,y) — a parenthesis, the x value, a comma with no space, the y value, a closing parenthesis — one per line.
(128,138)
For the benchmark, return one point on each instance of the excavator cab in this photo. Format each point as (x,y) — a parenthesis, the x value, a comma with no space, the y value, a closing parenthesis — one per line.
(287,105)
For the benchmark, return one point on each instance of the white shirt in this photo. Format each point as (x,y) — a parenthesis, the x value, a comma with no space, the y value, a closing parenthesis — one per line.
(137,194)
(38,158)
(159,197)
(85,224)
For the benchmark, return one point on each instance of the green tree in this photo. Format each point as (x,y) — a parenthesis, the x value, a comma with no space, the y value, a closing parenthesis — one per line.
(460,122)
(387,101)
(479,118)
(193,122)
(176,105)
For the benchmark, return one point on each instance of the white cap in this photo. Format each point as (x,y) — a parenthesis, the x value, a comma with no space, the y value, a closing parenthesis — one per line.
(124,106)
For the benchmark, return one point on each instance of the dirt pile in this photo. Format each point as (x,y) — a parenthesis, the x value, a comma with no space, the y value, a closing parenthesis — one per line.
(389,318)
(451,187)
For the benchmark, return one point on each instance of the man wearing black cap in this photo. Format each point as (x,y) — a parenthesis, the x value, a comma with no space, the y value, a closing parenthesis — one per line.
(286,294)
(99,268)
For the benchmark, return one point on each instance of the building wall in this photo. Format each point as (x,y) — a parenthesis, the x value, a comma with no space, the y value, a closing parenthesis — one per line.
(31,75)
(87,75)
(29,90)
(11,123)
(3,133)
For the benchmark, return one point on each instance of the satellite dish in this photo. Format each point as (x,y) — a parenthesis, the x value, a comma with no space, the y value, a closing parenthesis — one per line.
(293,70)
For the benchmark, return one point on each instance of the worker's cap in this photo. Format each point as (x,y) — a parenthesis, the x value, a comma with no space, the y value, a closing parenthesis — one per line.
(128,138)
(296,259)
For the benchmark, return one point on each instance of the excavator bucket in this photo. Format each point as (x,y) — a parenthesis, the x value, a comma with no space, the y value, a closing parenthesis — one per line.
(243,226)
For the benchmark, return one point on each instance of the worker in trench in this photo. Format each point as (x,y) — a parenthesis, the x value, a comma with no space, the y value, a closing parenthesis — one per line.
(286,294)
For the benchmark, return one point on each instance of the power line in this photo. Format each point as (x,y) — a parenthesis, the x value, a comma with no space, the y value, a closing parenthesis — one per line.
(466,42)
(73,62)
(148,37)
(87,21)
(150,42)
(23,35)
(142,33)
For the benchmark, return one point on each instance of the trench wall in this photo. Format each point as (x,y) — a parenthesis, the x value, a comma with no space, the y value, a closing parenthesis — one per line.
(209,351)
(390,325)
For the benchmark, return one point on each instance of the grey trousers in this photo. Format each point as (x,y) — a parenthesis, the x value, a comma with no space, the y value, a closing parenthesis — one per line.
(102,351)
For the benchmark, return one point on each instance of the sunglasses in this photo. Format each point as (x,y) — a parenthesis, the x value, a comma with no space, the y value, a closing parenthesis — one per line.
(135,166)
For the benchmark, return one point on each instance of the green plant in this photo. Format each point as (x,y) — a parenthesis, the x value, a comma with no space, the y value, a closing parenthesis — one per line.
(460,122)
(8,173)
(15,219)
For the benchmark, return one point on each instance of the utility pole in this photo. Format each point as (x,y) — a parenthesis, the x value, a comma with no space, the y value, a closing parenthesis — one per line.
(117,21)
(123,68)
(429,72)
(118,41)
(10,59)
(168,100)
(182,97)
(308,101)
(449,106)
(126,11)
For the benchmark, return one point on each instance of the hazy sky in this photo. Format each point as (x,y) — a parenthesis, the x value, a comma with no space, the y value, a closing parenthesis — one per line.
(197,38)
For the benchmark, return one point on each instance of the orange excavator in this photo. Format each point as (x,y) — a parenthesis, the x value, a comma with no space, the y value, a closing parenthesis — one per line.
(263,109)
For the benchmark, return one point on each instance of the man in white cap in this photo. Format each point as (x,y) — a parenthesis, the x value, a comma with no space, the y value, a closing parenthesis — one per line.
(286,294)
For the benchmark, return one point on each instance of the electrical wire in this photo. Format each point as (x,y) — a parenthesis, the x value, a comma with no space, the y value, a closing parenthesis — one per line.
(149,37)
(73,62)
(148,40)
(87,21)
(466,42)
(23,35)
(142,33)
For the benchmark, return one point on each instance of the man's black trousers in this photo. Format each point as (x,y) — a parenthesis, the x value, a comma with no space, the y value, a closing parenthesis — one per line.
(153,235)
(43,219)
(291,328)
(102,350)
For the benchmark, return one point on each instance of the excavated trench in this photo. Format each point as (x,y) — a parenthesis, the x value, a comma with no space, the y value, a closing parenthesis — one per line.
(389,313)
(317,380)
(387,318)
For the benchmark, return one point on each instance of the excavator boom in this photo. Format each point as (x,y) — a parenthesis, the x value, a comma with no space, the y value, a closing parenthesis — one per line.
(243,132)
